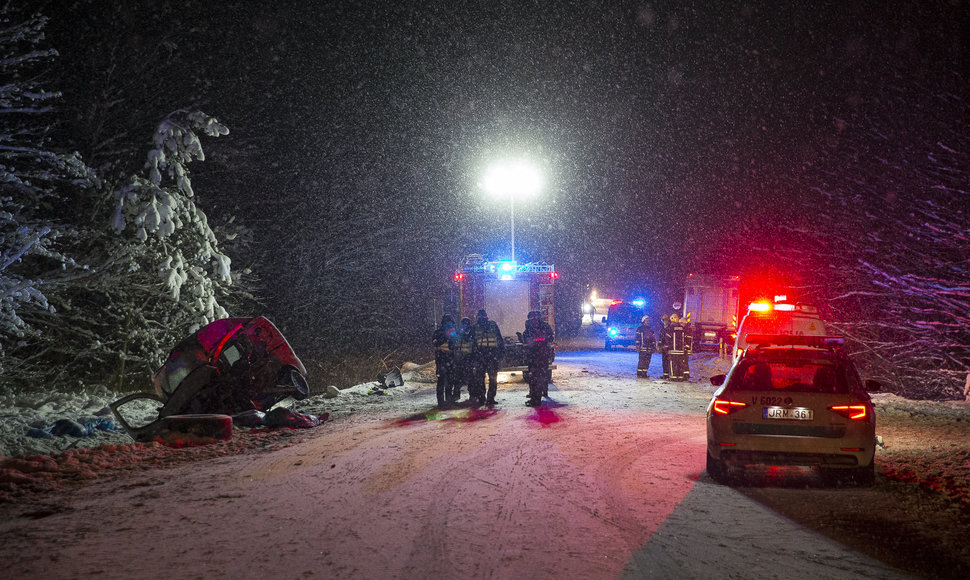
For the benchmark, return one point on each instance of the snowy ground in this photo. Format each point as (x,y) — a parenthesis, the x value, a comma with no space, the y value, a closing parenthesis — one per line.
(927,446)
(611,467)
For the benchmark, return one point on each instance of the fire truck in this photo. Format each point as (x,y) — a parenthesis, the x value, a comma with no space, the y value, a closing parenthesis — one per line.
(507,291)
(712,303)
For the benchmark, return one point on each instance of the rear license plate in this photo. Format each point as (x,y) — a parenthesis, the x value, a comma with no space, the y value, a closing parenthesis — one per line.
(790,413)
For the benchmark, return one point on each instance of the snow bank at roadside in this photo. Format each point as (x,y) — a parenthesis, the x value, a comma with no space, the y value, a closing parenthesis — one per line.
(22,413)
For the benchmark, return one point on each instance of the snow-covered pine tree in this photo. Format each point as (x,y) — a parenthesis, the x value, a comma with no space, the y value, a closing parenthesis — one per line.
(173,269)
(40,191)
(887,230)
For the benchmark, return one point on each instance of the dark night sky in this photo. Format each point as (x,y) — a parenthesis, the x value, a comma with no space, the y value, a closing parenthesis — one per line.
(659,125)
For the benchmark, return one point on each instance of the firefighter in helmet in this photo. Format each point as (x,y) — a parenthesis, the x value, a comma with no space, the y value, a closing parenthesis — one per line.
(646,343)
(538,337)
(445,341)
(678,342)
(489,348)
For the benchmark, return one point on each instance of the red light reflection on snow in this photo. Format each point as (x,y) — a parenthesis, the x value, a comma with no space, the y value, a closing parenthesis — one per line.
(544,416)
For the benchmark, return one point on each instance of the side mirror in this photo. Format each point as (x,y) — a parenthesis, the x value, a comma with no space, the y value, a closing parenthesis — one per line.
(717,380)
(603,320)
(873,386)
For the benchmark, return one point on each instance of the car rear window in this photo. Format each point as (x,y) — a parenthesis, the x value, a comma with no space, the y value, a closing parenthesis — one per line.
(793,375)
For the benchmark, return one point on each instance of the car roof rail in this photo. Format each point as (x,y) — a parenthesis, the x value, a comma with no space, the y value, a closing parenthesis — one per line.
(793,340)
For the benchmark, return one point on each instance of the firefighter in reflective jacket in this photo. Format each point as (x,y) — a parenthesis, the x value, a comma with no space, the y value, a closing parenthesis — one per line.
(463,359)
(489,347)
(646,343)
(677,342)
(537,337)
(445,341)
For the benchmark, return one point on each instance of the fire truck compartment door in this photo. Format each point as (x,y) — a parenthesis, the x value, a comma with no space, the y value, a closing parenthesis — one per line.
(507,303)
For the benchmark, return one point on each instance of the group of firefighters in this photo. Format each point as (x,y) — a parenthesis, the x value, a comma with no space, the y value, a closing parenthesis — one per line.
(674,347)
(466,354)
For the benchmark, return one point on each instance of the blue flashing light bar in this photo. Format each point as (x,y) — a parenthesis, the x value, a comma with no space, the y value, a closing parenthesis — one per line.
(613,332)
(639,302)
(477,263)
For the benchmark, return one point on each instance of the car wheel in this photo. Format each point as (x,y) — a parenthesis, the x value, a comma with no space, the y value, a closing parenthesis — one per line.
(716,469)
(291,378)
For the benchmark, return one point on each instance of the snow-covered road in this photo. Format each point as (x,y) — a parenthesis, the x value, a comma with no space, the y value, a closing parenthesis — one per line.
(604,481)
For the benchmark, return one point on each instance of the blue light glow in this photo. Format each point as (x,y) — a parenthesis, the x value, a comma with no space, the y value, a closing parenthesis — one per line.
(639,302)
(613,332)
(507,266)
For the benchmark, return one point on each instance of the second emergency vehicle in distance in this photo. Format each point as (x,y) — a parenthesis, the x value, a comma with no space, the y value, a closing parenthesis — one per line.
(712,303)
(778,319)
(622,321)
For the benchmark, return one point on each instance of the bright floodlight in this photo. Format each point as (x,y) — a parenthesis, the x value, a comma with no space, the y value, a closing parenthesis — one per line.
(512,179)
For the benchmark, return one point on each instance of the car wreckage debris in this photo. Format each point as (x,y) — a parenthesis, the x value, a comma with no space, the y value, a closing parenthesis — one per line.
(228,367)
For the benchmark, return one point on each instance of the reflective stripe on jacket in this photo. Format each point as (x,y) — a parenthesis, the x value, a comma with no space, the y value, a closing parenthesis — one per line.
(487,336)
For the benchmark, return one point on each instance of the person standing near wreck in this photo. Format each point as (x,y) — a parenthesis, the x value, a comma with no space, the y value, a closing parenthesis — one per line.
(538,337)
(489,348)
(444,341)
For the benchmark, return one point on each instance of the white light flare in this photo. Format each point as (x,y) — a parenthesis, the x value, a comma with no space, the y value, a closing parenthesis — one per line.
(517,179)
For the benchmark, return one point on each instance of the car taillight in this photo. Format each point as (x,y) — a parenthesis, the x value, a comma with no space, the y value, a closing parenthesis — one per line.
(726,406)
(856,412)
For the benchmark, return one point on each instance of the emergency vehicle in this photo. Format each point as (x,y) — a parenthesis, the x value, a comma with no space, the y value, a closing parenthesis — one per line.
(778,318)
(711,306)
(507,291)
(622,321)
(793,400)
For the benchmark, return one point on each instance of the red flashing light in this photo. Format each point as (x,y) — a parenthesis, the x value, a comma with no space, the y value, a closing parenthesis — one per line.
(855,412)
(726,406)
(787,307)
(759,307)
(553,275)
(459,276)
(615,302)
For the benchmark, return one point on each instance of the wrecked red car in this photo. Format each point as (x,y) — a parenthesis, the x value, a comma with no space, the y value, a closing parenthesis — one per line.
(227,367)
